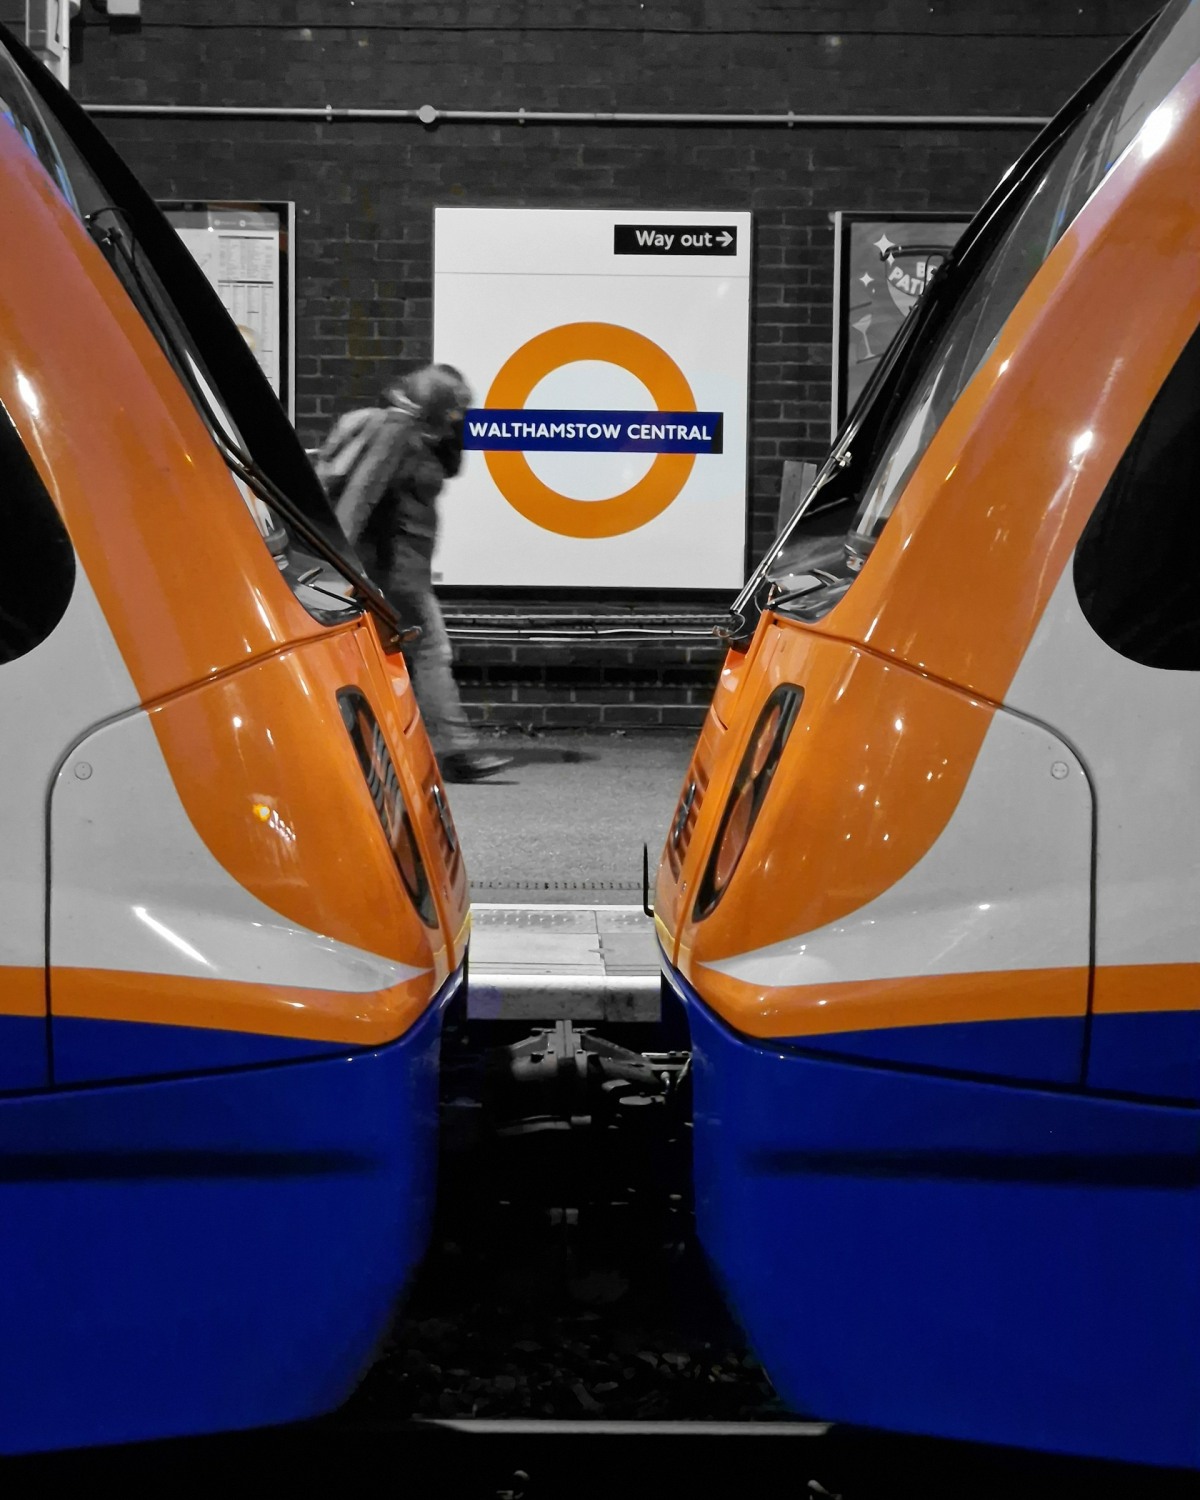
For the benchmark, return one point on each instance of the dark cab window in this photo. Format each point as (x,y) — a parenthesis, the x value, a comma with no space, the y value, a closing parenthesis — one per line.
(1137,566)
(39,561)
(18,111)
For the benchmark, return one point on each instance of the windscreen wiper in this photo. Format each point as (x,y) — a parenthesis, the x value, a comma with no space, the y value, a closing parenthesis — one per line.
(842,455)
(837,461)
(256,479)
(822,579)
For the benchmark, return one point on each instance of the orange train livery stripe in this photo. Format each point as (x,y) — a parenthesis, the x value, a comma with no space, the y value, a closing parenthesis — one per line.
(884,1004)
(337,1016)
(1126,989)
(22,991)
(944,999)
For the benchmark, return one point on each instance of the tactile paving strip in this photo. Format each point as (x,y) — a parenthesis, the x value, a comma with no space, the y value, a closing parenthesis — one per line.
(561,918)
(556,885)
(543,962)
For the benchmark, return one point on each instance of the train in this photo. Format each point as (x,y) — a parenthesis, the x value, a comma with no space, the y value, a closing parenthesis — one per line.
(235,909)
(927,904)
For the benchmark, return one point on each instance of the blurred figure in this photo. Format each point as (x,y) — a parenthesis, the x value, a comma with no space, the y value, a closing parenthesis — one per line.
(383,468)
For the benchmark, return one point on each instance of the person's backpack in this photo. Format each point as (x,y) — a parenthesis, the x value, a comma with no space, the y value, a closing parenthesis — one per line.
(347,441)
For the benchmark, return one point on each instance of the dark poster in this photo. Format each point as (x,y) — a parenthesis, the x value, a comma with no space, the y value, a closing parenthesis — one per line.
(883,264)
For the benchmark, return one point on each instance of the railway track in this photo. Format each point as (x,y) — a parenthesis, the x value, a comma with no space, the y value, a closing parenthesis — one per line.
(456,1459)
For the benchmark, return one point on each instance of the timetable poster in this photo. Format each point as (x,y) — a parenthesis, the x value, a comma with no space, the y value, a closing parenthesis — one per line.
(242,249)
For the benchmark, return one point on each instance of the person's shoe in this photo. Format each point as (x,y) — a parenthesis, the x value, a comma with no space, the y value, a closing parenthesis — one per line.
(473,765)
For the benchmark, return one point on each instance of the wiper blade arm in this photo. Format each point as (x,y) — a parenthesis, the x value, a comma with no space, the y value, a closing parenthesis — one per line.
(243,464)
(837,460)
(267,490)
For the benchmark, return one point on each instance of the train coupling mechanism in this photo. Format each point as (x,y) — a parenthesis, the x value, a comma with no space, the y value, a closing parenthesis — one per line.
(567,1077)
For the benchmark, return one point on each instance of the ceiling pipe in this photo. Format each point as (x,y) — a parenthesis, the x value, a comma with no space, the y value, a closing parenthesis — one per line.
(428,116)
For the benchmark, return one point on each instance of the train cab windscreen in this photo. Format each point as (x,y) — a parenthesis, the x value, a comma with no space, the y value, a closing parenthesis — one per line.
(966,305)
(199,340)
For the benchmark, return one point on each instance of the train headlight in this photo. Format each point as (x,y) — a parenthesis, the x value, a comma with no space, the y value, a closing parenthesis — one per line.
(766,739)
(749,790)
(734,835)
(383,784)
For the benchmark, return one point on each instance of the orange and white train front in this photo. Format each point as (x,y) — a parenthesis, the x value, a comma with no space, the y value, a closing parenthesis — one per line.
(930,894)
(233,904)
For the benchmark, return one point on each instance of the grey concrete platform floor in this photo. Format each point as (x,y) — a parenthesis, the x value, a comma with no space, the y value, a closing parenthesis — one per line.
(554,851)
(552,963)
(567,821)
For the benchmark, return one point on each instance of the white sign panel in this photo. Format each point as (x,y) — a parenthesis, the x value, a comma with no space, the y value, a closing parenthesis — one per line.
(608,354)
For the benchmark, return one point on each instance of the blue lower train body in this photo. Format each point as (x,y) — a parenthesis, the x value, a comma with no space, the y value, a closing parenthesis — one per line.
(968,1259)
(211,1252)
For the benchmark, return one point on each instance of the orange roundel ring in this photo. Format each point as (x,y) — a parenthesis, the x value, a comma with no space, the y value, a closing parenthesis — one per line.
(613,345)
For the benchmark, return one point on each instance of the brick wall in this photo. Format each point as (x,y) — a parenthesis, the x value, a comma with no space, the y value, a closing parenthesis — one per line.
(532,686)
(365,191)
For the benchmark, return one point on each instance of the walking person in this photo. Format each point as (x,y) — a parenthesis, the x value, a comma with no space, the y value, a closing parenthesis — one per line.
(384,468)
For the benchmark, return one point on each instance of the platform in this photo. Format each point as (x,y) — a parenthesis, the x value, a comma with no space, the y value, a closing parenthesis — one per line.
(563,962)
(554,853)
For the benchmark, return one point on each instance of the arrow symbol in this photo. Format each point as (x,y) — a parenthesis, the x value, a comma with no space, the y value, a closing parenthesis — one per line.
(725,238)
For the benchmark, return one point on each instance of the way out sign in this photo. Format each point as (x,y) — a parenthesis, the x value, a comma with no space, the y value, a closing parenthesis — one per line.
(606,446)
(674,239)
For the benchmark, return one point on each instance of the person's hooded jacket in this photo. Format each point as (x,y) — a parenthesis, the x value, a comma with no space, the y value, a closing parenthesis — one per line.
(384,467)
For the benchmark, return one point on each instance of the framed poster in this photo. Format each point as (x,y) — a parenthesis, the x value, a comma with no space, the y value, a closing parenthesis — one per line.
(608,353)
(881,265)
(245,250)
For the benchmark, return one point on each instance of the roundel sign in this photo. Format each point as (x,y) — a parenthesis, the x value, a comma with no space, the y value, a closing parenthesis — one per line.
(610,344)
(608,448)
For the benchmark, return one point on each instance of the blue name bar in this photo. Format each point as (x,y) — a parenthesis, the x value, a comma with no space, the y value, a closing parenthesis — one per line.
(529,430)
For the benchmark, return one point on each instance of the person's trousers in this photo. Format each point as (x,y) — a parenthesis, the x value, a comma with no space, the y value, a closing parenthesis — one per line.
(429,662)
